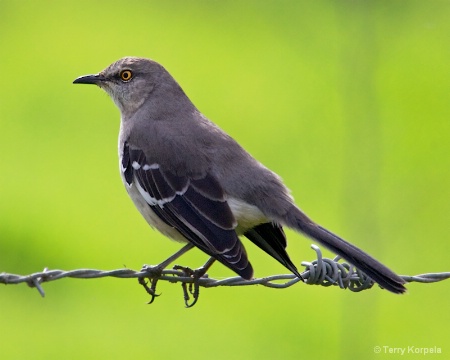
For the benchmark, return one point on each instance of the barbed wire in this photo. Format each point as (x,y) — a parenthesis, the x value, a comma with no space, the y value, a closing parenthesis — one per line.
(323,272)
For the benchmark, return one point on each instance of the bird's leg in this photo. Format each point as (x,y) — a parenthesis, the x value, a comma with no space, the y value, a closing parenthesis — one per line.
(194,287)
(155,271)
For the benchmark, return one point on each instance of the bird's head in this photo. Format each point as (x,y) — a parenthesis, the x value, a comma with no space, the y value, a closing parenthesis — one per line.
(128,81)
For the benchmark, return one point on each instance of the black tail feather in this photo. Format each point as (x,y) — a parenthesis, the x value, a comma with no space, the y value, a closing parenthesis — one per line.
(270,238)
(367,264)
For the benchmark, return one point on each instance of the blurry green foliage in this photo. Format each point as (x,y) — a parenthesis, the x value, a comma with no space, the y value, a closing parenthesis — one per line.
(347,100)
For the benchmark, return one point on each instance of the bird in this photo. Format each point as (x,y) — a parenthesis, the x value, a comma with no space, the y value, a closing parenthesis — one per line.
(195,184)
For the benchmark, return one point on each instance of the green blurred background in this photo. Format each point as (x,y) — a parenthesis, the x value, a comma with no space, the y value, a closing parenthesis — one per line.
(347,100)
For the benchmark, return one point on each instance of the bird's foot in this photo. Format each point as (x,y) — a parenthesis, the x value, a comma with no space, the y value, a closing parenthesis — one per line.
(154,272)
(193,288)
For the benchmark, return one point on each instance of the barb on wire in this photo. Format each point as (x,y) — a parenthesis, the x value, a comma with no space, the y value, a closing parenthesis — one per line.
(323,272)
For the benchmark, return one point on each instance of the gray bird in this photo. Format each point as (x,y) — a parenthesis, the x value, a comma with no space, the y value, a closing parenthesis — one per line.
(195,184)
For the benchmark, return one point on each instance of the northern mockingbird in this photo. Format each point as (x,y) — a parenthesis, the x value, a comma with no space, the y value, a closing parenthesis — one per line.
(195,184)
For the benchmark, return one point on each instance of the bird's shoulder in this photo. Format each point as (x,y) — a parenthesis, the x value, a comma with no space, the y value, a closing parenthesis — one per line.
(190,145)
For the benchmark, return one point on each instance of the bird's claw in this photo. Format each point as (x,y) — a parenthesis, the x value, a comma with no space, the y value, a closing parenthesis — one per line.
(154,274)
(193,289)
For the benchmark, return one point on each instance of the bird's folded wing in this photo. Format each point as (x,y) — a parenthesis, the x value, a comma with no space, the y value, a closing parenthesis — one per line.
(195,206)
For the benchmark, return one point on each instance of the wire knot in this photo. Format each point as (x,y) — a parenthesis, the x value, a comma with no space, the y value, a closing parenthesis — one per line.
(328,272)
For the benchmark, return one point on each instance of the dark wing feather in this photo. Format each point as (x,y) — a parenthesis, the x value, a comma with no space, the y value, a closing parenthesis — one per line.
(127,170)
(270,237)
(196,207)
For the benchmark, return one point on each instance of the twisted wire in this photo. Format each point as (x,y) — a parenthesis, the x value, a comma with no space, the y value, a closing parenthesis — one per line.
(322,271)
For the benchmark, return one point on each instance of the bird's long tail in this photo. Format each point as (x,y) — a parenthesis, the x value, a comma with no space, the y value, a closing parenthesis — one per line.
(371,267)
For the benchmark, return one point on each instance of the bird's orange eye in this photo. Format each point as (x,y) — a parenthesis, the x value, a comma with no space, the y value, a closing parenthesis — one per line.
(126,75)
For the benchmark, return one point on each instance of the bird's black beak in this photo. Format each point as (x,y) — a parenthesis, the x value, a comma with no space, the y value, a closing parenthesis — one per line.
(90,79)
